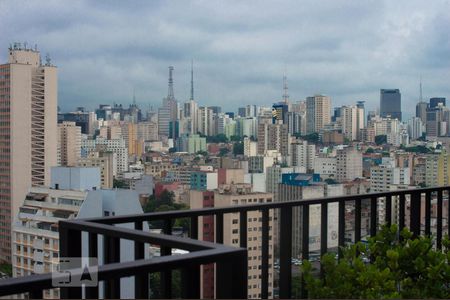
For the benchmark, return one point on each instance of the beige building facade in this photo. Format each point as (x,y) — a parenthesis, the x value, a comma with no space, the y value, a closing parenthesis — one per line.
(28,132)
(69,144)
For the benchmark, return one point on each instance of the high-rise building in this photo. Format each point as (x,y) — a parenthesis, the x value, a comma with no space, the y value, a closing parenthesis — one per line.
(303,154)
(28,132)
(437,101)
(105,162)
(205,120)
(168,113)
(348,164)
(391,103)
(349,122)
(69,144)
(273,137)
(421,111)
(116,146)
(228,195)
(280,113)
(84,119)
(383,176)
(318,113)
(415,128)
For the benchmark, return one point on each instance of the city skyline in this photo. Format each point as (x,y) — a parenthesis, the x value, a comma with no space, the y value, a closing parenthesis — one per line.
(240,54)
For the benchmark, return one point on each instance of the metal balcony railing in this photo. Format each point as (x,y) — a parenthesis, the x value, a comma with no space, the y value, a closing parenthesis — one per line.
(414,210)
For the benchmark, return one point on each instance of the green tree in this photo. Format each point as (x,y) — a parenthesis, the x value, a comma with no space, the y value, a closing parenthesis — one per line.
(370,150)
(166,202)
(312,137)
(155,285)
(202,152)
(120,184)
(381,139)
(238,148)
(6,268)
(330,181)
(236,138)
(401,267)
(220,138)
(223,151)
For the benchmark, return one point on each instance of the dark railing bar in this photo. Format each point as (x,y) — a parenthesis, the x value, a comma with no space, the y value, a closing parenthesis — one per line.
(448,212)
(305,232)
(285,252)
(243,229)
(341,227)
(140,236)
(323,228)
(111,249)
(357,221)
(92,291)
(388,208)
(69,246)
(141,287)
(194,228)
(373,216)
(414,216)
(439,220)
(401,212)
(248,207)
(190,282)
(265,254)
(11,286)
(166,276)
(428,214)
(219,228)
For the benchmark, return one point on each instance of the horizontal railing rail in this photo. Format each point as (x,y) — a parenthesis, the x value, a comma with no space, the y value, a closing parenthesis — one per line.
(231,261)
(154,216)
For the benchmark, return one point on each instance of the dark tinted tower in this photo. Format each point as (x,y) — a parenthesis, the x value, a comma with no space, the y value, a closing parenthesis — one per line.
(391,103)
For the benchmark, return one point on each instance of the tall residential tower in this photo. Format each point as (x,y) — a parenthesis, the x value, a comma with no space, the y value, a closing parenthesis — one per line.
(28,132)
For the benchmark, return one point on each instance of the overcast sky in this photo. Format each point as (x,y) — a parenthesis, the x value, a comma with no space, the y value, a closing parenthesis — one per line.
(345,49)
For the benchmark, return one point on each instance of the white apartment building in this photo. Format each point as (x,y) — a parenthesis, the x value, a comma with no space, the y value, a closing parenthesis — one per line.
(71,195)
(351,121)
(116,146)
(387,174)
(250,147)
(303,154)
(348,164)
(318,113)
(415,128)
(326,167)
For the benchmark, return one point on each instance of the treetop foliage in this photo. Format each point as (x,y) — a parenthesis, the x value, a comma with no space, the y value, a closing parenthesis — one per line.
(401,267)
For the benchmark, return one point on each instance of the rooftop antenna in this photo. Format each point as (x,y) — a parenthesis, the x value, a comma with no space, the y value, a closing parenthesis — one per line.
(421,98)
(47,60)
(192,80)
(170,94)
(285,88)
(134,97)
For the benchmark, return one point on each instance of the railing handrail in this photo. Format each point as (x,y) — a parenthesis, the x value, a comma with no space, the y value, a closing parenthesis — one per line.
(154,216)
(118,270)
(141,236)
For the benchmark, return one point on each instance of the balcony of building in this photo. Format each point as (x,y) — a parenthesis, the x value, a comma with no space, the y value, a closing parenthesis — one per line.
(423,211)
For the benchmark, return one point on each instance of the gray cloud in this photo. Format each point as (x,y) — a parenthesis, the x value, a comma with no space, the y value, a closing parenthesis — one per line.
(346,49)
